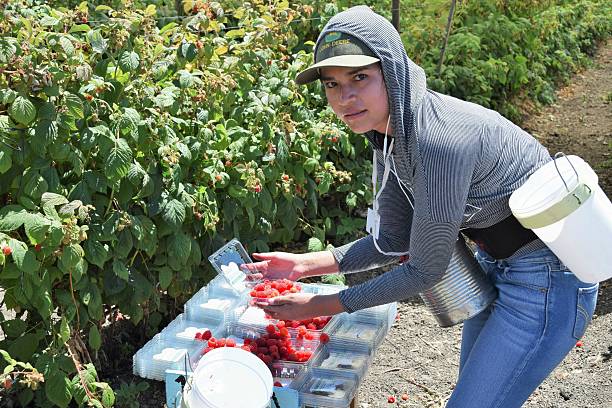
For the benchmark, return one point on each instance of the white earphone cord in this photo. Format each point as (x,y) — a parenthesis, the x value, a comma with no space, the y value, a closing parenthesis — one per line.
(386,157)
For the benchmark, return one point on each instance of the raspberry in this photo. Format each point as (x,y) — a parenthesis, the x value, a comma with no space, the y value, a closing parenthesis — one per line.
(8,383)
(579,343)
(277,384)
(230,343)
(257,188)
(207,335)
(324,338)
(7,250)
(37,247)
(271,329)
(391,399)
(198,336)
(404,397)
(218,177)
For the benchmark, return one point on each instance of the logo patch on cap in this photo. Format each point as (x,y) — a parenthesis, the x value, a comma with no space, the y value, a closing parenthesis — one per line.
(332,36)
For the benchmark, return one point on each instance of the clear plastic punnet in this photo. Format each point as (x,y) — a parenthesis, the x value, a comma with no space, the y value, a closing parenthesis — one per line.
(184,331)
(357,330)
(386,312)
(342,357)
(159,355)
(318,389)
(202,306)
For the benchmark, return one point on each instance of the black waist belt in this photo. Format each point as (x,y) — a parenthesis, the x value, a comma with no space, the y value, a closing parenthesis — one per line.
(502,239)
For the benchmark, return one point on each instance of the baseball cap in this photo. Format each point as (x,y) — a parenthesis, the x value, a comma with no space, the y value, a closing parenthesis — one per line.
(337,49)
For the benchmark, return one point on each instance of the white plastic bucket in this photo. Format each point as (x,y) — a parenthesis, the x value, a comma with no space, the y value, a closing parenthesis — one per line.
(565,207)
(229,377)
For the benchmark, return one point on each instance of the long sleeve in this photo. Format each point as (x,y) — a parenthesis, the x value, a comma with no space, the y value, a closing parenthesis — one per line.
(395,225)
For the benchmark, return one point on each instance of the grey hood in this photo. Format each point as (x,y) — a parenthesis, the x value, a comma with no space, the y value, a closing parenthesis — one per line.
(405,81)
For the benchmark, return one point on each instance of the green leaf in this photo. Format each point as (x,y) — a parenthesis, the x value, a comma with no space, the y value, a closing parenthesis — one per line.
(67,45)
(71,255)
(12,217)
(22,110)
(311,164)
(6,162)
(314,245)
(179,247)
(58,388)
(129,61)
(52,199)
(96,253)
(8,49)
(121,270)
(75,106)
(24,258)
(108,396)
(45,132)
(174,213)
(165,277)
(24,347)
(64,331)
(36,227)
(118,161)
(97,42)
(95,340)
(48,21)
(14,328)
(129,120)
(34,184)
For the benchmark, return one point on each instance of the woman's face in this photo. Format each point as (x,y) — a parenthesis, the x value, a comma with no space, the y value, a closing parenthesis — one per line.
(358,96)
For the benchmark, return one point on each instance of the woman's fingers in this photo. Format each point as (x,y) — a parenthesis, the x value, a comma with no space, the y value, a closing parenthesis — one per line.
(266,256)
(256,266)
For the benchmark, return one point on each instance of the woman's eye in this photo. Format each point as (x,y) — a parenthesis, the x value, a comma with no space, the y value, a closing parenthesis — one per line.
(360,77)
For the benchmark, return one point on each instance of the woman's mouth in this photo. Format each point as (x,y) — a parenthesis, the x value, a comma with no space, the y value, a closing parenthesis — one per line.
(354,115)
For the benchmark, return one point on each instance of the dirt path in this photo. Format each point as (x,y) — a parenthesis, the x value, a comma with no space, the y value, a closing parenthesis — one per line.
(421,359)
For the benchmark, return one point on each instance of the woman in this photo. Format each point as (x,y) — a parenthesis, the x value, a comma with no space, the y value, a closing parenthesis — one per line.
(442,166)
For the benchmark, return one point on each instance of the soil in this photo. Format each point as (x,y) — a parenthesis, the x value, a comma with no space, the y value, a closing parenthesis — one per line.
(421,359)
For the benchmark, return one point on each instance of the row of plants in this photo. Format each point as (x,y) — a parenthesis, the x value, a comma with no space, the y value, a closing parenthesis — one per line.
(133,143)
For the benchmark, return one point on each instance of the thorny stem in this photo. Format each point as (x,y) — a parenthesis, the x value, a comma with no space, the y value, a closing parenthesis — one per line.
(77,364)
(74,301)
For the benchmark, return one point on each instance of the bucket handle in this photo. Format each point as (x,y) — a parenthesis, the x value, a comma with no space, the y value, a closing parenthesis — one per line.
(561,154)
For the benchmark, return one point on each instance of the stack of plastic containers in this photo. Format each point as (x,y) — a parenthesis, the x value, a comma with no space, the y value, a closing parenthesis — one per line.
(183,331)
(329,378)
(161,354)
(324,389)
(212,301)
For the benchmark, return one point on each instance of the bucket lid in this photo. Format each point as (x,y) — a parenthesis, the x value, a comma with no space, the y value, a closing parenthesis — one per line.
(553,192)
(227,260)
(229,377)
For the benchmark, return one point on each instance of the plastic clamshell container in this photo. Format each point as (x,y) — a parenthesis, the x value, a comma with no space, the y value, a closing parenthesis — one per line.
(386,312)
(227,261)
(159,355)
(356,330)
(333,357)
(328,389)
(220,288)
(202,307)
(183,330)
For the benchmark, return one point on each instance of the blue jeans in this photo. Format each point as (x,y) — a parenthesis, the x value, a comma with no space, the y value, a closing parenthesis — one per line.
(511,347)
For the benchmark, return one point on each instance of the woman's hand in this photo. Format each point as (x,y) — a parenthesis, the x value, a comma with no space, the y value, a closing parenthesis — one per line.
(285,265)
(301,306)
(276,265)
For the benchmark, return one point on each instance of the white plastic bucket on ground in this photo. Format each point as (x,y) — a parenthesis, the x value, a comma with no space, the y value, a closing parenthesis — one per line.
(565,207)
(229,377)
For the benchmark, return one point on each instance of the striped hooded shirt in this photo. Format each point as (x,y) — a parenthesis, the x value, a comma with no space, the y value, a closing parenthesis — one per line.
(459,160)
